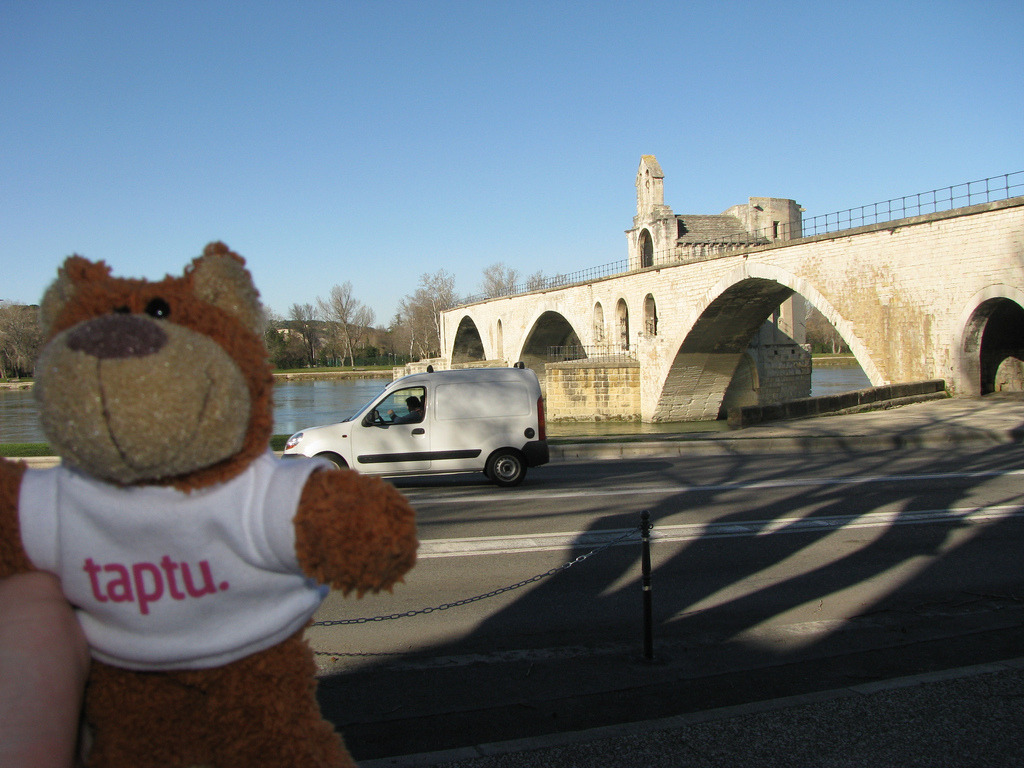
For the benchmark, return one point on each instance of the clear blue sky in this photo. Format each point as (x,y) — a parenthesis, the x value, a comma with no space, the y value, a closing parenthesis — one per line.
(372,142)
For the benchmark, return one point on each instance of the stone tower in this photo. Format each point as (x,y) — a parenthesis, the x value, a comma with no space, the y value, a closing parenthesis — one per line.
(660,236)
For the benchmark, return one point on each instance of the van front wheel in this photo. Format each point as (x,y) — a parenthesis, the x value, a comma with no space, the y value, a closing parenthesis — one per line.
(334,458)
(506,468)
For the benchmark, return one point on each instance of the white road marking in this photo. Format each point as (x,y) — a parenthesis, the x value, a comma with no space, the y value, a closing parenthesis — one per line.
(546,542)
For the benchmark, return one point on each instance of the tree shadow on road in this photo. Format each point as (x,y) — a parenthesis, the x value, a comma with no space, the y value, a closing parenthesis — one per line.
(808,577)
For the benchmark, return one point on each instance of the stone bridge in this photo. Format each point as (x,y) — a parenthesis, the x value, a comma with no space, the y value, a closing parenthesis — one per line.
(708,302)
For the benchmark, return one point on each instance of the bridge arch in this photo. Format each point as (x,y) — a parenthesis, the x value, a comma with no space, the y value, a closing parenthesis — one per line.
(842,325)
(711,346)
(549,329)
(991,335)
(468,345)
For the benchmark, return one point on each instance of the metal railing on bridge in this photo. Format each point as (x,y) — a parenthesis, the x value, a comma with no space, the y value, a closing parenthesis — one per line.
(945,199)
(593,352)
(541,282)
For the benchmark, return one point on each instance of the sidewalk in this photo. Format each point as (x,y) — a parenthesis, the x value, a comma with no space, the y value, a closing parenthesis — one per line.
(958,718)
(979,422)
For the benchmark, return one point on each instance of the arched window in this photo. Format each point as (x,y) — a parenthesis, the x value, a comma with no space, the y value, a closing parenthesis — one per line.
(622,319)
(598,323)
(499,341)
(650,316)
(646,249)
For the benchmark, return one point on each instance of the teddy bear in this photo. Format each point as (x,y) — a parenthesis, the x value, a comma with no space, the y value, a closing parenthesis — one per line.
(193,556)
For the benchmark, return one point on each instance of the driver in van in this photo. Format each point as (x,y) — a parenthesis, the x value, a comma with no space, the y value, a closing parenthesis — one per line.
(415,415)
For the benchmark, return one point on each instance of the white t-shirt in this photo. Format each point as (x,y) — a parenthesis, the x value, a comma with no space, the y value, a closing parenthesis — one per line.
(164,579)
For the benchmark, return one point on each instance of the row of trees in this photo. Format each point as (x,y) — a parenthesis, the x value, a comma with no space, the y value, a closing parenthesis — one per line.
(339,329)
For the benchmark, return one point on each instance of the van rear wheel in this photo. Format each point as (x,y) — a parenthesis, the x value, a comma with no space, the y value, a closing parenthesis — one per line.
(506,468)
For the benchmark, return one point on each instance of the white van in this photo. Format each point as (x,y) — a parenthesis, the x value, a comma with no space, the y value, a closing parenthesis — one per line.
(466,420)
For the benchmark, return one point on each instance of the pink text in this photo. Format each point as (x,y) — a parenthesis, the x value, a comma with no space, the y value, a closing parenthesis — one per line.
(147,583)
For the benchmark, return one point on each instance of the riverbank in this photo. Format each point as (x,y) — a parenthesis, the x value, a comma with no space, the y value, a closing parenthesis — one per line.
(313,374)
(839,360)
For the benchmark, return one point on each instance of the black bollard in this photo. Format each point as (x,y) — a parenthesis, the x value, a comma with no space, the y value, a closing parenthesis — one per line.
(645,561)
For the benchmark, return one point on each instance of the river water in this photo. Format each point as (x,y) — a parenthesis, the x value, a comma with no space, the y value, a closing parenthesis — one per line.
(300,404)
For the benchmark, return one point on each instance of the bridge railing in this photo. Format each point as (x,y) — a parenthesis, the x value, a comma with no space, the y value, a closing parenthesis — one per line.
(946,199)
(592,352)
(957,196)
(541,282)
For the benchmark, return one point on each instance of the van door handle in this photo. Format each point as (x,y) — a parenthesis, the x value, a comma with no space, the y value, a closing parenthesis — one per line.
(419,431)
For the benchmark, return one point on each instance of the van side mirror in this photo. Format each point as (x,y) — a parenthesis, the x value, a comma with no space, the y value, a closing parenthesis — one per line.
(373,419)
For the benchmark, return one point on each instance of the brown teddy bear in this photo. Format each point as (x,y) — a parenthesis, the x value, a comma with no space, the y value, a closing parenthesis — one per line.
(192,555)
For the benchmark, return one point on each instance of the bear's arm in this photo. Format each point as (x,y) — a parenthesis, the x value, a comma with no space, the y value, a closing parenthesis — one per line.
(354,532)
(12,555)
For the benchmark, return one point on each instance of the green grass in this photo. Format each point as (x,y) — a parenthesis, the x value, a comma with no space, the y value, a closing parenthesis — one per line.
(22,450)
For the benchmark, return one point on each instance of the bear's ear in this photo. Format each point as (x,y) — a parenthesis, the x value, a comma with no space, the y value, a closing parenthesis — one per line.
(75,270)
(219,277)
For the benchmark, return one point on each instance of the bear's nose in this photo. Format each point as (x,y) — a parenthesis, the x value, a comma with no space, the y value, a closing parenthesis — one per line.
(112,336)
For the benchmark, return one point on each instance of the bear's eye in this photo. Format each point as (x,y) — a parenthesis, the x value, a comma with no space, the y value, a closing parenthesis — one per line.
(158,308)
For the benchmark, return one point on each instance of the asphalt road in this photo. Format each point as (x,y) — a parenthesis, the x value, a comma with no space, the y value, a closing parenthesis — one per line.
(769,572)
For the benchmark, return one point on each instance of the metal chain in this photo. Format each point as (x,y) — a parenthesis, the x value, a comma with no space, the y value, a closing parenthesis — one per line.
(477,598)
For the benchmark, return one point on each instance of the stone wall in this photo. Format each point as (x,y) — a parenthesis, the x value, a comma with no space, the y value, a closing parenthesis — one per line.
(870,399)
(785,373)
(584,390)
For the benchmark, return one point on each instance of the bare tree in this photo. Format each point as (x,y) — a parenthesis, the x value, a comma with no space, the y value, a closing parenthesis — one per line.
(337,309)
(362,325)
(821,334)
(419,314)
(20,339)
(439,291)
(536,281)
(499,280)
(305,322)
(349,319)
(401,331)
